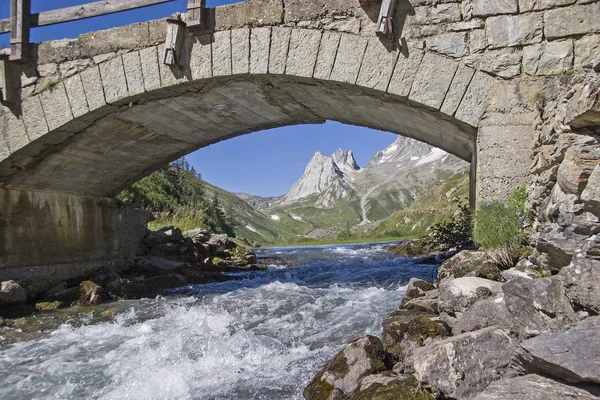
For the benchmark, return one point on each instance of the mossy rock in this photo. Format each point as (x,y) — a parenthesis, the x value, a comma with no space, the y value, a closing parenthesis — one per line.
(470,263)
(48,305)
(389,386)
(90,293)
(341,375)
(409,329)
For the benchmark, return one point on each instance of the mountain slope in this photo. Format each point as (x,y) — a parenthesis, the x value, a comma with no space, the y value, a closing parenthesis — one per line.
(335,192)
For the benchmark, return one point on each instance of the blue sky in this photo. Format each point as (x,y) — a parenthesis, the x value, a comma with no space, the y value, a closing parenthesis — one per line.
(265,163)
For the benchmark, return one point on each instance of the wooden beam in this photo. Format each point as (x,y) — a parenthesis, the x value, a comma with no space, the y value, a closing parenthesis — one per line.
(386,15)
(83,11)
(20,10)
(195,13)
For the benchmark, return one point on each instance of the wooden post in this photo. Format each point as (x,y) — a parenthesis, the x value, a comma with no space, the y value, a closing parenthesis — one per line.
(196,14)
(7,92)
(386,15)
(20,11)
(174,41)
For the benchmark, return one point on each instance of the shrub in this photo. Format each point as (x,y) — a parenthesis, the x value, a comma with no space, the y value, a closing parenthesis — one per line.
(456,232)
(500,223)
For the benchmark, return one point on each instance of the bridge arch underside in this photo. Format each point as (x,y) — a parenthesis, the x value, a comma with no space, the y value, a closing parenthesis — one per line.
(103,151)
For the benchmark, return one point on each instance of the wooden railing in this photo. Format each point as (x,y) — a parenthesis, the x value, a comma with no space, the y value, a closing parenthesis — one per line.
(22,20)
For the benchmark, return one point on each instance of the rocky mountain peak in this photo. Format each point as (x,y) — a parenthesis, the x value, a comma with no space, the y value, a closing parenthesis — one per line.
(345,161)
(402,149)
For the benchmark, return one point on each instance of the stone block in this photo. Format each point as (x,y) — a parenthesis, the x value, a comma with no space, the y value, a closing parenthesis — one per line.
(92,86)
(201,57)
(114,83)
(505,63)
(484,8)
(349,58)
(327,51)
(459,86)
(442,13)
(33,117)
(56,106)
(303,51)
(150,69)
(280,42)
(433,80)
(532,387)
(550,58)
(405,71)
(260,43)
(477,41)
(133,73)
(452,44)
(249,13)
(240,51)
(572,21)
(514,30)
(304,10)
(587,52)
(475,101)
(221,53)
(536,5)
(13,130)
(378,65)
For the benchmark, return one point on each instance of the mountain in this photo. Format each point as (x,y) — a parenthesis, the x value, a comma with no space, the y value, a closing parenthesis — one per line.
(335,192)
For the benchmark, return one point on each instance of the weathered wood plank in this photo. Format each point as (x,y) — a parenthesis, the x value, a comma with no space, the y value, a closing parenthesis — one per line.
(195,17)
(83,11)
(19,29)
(386,14)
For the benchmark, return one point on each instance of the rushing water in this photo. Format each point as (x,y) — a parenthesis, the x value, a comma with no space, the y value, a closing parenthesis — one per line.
(260,337)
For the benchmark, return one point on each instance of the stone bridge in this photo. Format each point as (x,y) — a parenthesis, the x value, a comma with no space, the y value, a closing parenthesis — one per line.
(95,114)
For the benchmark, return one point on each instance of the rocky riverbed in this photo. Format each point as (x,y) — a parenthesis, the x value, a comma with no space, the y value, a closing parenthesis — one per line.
(482,333)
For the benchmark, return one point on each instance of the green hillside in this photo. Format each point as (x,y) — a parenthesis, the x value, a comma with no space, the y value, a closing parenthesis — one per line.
(434,205)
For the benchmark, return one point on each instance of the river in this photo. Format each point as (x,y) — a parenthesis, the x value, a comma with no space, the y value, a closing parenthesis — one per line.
(263,336)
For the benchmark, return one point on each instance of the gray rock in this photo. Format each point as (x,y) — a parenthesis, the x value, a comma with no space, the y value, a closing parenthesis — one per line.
(581,278)
(198,235)
(538,305)
(405,330)
(591,194)
(389,385)
(462,366)
(469,263)
(532,387)
(572,21)
(576,168)
(517,30)
(164,235)
(422,305)
(572,356)
(157,265)
(514,273)
(483,314)
(457,295)
(587,52)
(416,288)
(11,292)
(559,244)
(218,243)
(550,58)
(341,375)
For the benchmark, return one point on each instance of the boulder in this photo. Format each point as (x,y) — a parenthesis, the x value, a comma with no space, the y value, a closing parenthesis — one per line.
(514,273)
(90,293)
(416,288)
(198,236)
(469,263)
(11,292)
(219,243)
(405,330)
(389,385)
(341,375)
(581,278)
(485,313)
(572,356)
(164,235)
(532,387)
(183,250)
(538,305)
(559,244)
(576,168)
(157,265)
(457,295)
(591,194)
(462,366)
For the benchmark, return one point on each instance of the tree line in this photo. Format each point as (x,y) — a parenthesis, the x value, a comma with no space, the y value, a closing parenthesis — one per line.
(176,191)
